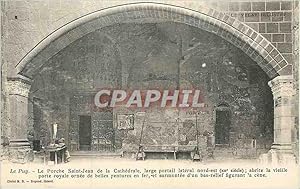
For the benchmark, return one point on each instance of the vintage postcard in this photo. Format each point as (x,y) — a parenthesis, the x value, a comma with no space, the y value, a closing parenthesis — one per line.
(149,94)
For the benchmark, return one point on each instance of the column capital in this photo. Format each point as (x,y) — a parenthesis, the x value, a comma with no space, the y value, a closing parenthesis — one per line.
(282,86)
(19,85)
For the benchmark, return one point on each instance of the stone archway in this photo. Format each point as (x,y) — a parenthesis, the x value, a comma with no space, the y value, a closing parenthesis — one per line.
(222,25)
(242,36)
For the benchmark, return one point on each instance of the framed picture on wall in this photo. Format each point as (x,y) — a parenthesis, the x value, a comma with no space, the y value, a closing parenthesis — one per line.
(125,121)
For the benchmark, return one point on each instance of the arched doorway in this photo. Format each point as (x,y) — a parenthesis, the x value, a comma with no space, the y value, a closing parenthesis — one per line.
(239,35)
(222,124)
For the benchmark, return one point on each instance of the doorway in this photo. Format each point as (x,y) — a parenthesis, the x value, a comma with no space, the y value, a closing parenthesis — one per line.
(222,126)
(85,132)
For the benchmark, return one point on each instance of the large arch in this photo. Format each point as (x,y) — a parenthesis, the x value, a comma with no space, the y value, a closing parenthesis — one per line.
(240,35)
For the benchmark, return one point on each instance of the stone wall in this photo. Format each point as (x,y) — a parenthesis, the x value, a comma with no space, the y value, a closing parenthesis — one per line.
(144,59)
(272,19)
(31,21)
(26,23)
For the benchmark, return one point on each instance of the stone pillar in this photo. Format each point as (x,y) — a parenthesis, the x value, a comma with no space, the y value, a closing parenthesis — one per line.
(18,90)
(283,91)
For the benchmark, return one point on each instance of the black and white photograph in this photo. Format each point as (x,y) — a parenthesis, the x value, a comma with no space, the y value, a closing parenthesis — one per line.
(160,93)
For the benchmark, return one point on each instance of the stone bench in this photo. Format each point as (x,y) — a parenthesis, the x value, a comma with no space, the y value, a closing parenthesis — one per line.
(174,149)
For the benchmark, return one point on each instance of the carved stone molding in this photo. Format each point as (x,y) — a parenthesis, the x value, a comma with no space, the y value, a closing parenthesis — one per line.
(282,86)
(19,86)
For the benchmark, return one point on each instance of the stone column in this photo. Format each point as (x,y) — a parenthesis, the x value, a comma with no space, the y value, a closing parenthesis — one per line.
(18,90)
(283,91)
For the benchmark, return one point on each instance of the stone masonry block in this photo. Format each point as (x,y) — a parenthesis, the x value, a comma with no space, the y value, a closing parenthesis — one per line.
(287,70)
(258,6)
(216,14)
(258,39)
(269,48)
(249,32)
(278,58)
(285,47)
(277,16)
(254,26)
(252,17)
(245,6)
(240,17)
(233,6)
(287,16)
(265,16)
(254,35)
(225,18)
(272,27)
(268,36)
(282,63)
(264,53)
(286,5)
(223,6)
(230,21)
(269,58)
(272,6)
(274,44)
(277,38)
(285,28)
(268,66)
(259,58)
(262,28)
(221,15)
(240,26)
(273,63)
(235,24)
(211,12)
(277,68)
(288,58)
(274,53)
